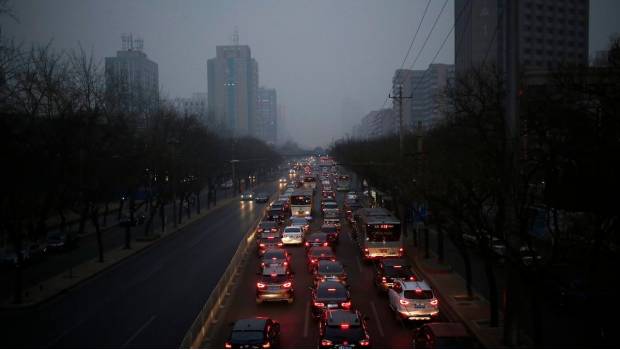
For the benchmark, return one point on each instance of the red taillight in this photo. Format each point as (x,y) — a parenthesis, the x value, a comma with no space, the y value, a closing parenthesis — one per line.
(228,345)
(266,345)
(383,279)
(434,302)
(326,342)
(280,244)
(307,244)
(286,263)
(412,278)
(401,250)
(317,304)
(260,230)
(346,304)
(325,244)
(260,285)
(275,230)
(366,252)
(262,264)
(269,237)
(344,326)
(313,261)
(403,302)
(364,342)
(262,245)
(287,285)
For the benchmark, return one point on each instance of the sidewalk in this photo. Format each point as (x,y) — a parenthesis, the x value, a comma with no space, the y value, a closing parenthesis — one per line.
(60,283)
(473,311)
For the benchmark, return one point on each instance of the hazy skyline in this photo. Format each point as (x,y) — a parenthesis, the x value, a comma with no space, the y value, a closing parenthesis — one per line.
(321,56)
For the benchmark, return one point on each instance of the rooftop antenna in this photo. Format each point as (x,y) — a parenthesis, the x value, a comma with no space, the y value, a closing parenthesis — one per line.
(139,44)
(236,36)
(124,38)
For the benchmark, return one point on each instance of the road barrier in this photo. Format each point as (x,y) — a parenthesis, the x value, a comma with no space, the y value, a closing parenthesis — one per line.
(199,329)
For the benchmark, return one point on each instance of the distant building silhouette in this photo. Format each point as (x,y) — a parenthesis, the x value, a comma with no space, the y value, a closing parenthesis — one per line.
(132,80)
(196,105)
(232,89)
(267,115)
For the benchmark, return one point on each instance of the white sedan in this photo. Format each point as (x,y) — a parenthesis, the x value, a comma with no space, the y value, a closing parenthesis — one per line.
(293,235)
(413,300)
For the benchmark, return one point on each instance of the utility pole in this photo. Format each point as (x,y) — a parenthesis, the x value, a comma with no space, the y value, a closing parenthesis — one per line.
(401,150)
(511,166)
(401,135)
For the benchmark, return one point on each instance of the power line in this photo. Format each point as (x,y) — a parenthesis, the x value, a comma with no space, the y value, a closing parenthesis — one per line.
(416,34)
(429,34)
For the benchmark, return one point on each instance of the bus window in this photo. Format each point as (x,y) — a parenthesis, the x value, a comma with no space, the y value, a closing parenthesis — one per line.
(383,233)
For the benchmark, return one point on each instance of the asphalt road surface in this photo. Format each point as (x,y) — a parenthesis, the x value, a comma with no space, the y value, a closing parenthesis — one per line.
(298,328)
(147,301)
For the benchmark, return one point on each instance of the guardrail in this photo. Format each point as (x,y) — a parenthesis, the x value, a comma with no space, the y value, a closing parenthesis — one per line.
(199,329)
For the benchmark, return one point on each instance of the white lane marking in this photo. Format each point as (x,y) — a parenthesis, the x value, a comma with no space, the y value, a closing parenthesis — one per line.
(146,324)
(359,264)
(306,319)
(376,314)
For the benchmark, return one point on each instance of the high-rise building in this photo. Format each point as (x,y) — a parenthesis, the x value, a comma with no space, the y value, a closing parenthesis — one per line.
(550,33)
(232,88)
(132,80)
(376,124)
(429,104)
(267,115)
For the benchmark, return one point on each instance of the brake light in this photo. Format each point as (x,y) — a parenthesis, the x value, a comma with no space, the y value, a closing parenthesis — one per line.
(274,275)
(412,278)
(286,263)
(307,244)
(383,279)
(287,285)
(275,230)
(434,302)
(280,244)
(262,245)
(418,290)
(228,345)
(364,342)
(325,244)
(318,304)
(346,304)
(260,285)
(331,289)
(397,266)
(401,250)
(273,258)
(260,230)
(344,326)
(266,345)
(366,251)
(326,342)
(403,302)
(269,237)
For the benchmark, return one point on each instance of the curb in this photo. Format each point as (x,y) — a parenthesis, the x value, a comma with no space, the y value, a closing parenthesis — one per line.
(9,305)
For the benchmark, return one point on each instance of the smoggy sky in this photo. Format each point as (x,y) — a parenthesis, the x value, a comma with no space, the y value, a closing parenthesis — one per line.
(331,62)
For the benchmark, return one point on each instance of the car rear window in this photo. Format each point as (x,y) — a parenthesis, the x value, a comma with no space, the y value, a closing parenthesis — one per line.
(332,292)
(329,229)
(278,254)
(422,294)
(397,272)
(275,279)
(330,268)
(336,333)
(292,230)
(331,205)
(246,336)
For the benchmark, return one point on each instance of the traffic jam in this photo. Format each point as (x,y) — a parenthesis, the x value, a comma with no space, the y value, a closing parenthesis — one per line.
(330,271)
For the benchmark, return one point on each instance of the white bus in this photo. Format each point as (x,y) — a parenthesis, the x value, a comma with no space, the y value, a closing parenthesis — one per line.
(377,232)
(301,202)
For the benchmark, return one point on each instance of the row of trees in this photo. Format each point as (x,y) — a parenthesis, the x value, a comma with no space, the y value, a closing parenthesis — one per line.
(570,141)
(68,150)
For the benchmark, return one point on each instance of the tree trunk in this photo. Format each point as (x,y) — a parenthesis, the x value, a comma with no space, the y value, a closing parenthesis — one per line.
(162,216)
(467,263)
(120,209)
(492,284)
(105,214)
(95,220)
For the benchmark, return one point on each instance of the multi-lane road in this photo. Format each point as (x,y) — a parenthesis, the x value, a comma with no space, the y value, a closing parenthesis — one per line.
(298,328)
(147,301)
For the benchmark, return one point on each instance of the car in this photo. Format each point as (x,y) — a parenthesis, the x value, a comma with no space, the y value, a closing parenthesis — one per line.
(343,329)
(413,300)
(276,206)
(282,181)
(442,335)
(269,240)
(315,254)
(317,239)
(257,332)
(327,270)
(247,196)
(327,195)
(60,241)
(333,232)
(331,218)
(261,197)
(275,257)
(275,284)
(275,215)
(388,270)
(329,295)
(351,195)
(267,226)
(529,256)
(329,205)
(300,221)
(293,235)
